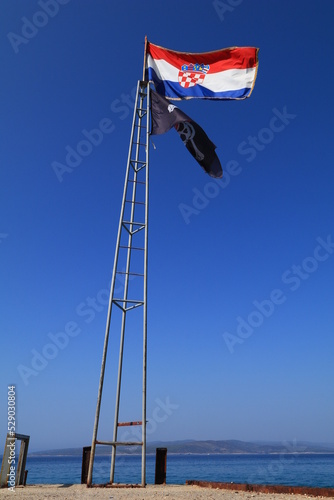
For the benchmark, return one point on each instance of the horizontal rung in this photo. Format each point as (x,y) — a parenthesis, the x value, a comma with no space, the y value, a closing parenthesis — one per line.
(137,182)
(134,223)
(135,202)
(129,274)
(138,161)
(130,301)
(132,248)
(127,424)
(120,443)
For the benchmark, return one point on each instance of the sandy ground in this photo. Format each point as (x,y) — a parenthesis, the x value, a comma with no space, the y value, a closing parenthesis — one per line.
(167,492)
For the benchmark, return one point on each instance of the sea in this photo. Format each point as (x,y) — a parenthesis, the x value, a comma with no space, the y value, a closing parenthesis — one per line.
(314,470)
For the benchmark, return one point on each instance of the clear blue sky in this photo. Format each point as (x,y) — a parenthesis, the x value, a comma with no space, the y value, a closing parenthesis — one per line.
(266,236)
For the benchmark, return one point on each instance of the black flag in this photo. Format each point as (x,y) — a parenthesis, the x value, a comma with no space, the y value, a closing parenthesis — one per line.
(166,115)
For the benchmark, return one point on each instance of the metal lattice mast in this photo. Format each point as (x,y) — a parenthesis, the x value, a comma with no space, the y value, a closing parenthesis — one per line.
(133,228)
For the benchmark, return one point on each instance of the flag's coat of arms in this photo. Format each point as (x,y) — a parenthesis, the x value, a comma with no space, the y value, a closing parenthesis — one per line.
(192,74)
(222,74)
(187,79)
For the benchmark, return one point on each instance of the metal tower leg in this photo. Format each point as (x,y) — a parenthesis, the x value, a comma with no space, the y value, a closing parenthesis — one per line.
(136,186)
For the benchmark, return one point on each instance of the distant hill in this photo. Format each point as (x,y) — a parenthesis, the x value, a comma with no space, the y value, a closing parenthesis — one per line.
(204,448)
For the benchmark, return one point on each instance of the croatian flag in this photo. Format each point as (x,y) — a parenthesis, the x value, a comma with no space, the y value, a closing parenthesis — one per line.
(221,74)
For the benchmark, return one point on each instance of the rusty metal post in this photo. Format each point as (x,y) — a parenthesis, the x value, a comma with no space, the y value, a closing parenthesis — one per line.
(160,466)
(21,465)
(86,450)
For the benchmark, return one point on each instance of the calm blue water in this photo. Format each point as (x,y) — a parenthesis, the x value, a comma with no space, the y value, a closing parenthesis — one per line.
(294,470)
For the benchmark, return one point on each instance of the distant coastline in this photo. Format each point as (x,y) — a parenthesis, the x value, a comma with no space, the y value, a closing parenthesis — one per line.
(208,447)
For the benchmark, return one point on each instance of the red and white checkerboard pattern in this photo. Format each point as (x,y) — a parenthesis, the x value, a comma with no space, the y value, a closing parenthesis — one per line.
(188,79)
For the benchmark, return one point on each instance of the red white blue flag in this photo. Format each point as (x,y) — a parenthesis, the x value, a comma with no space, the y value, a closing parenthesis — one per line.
(221,74)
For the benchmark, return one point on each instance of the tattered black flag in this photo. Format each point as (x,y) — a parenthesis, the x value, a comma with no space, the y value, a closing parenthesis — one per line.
(166,115)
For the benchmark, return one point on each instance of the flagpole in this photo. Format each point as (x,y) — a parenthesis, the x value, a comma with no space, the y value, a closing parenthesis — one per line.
(131,223)
(144,66)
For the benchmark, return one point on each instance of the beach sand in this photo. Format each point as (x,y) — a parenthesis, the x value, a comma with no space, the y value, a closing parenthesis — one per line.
(151,492)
